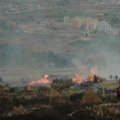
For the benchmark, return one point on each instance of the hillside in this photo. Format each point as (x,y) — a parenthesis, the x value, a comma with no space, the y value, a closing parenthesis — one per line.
(34,37)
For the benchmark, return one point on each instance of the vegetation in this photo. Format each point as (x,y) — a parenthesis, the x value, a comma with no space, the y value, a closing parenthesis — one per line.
(34,36)
(56,102)
(91,98)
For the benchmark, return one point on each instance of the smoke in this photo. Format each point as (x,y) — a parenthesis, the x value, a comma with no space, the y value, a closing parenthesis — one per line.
(28,46)
(102,53)
(26,61)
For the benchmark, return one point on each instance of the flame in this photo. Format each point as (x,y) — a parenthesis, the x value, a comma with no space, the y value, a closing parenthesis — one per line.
(92,75)
(42,81)
(78,79)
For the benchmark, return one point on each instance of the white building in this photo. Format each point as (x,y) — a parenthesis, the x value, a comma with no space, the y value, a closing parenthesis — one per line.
(104,27)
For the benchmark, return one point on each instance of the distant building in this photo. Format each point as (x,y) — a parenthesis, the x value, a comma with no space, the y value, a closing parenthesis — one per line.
(90,25)
(68,21)
(100,17)
(77,22)
(104,27)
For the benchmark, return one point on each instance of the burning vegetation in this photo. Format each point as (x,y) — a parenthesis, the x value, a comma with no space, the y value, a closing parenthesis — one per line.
(59,100)
(42,82)
(78,79)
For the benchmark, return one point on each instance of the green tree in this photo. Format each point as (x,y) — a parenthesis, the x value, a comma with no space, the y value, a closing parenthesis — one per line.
(111,77)
(0,79)
(116,77)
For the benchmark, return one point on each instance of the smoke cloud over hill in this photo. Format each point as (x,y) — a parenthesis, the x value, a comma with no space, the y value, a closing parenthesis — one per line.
(102,53)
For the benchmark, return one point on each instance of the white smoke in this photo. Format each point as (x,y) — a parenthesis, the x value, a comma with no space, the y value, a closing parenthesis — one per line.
(102,53)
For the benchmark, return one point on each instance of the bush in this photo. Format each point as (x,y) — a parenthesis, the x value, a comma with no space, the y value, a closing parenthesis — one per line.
(76,97)
(90,98)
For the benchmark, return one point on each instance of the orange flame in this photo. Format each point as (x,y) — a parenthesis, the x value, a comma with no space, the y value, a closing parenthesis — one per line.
(92,75)
(42,81)
(78,78)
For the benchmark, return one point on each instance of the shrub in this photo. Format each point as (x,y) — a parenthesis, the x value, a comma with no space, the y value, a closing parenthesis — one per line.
(90,98)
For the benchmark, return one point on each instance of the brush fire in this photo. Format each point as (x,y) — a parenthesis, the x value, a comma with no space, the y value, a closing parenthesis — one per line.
(78,79)
(67,96)
(43,81)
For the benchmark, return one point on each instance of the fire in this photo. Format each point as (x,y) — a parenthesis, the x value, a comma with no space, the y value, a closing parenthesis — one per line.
(42,81)
(78,79)
(91,75)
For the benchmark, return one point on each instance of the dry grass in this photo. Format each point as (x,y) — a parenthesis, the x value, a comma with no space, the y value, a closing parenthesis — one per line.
(111,84)
(90,98)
